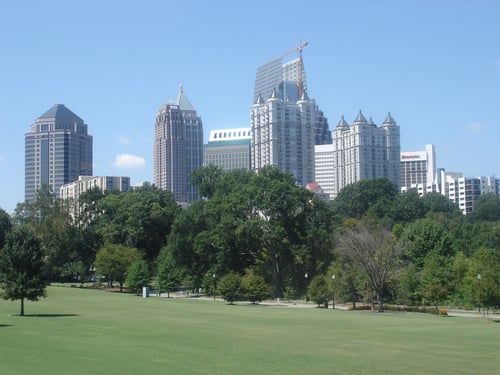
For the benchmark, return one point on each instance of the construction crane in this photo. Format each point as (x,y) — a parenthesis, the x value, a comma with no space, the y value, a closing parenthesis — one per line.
(300,80)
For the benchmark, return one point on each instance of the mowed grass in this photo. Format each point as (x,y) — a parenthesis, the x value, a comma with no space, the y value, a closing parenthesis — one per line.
(79,331)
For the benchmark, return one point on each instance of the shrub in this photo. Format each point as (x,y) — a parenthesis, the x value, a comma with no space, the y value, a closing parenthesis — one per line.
(255,287)
(320,290)
(443,312)
(230,287)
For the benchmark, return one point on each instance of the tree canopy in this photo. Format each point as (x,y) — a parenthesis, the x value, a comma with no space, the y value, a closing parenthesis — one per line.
(23,270)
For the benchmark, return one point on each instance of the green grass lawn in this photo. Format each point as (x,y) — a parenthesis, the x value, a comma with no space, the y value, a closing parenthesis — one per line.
(80,331)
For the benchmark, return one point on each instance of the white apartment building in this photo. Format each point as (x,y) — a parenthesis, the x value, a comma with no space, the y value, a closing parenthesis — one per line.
(71,192)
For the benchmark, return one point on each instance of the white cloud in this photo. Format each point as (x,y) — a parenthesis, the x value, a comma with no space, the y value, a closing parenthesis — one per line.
(122,139)
(129,161)
(476,127)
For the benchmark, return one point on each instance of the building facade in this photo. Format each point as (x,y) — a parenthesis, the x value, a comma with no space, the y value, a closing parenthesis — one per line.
(71,192)
(360,151)
(283,136)
(58,149)
(178,147)
(464,191)
(418,170)
(229,148)
(289,79)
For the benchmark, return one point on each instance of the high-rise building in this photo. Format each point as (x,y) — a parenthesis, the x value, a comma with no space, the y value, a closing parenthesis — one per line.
(178,147)
(286,77)
(324,162)
(464,191)
(418,170)
(57,150)
(360,151)
(229,148)
(283,136)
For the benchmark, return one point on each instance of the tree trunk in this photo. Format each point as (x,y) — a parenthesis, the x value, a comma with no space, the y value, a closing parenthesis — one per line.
(121,287)
(380,301)
(22,307)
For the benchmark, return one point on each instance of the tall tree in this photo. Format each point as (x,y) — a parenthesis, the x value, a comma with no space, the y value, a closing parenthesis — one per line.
(355,200)
(23,271)
(5,226)
(141,218)
(374,250)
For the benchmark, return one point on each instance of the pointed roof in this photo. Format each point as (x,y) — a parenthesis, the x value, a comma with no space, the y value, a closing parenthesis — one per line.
(59,111)
(259,99)
(371,122)
(182,101)
(342,123)
(304,95)
(360,119)
(275,94)
(389,120)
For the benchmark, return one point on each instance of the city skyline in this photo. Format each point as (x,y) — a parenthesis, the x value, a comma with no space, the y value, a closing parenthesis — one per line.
(434,65)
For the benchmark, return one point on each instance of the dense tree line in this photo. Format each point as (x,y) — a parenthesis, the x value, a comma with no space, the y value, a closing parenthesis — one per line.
(258,235)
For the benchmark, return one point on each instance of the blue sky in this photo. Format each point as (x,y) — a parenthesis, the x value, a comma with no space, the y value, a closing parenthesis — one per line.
(435,65)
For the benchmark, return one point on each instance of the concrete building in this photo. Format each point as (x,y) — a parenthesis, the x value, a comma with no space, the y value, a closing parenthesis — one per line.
(418,170)
(178,147)
(464,191)
(58,149)
(324,162)
(283,136)
(365,150)
(229,148)
(71,192)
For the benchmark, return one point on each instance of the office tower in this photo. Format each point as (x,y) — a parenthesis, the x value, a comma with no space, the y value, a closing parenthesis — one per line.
(178,147)
(418,170)
(364,150)
(229,148)
(289,79)
(57,151)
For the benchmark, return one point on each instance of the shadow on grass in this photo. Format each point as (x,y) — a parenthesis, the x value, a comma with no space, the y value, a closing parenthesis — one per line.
(49,315)
(5,325)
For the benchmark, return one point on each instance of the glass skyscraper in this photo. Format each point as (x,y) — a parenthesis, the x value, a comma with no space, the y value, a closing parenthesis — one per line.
(58,150)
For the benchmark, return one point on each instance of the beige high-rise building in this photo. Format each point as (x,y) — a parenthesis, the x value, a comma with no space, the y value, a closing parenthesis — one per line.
(178,147)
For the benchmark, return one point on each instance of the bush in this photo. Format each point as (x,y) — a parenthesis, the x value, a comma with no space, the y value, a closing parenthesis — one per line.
(319,290)
(443,312)
(255,287)
(230,287)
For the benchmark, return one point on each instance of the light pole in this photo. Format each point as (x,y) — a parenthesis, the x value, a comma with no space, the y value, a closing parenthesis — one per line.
(479,291)
(333,293)
(213,279)
(306,276)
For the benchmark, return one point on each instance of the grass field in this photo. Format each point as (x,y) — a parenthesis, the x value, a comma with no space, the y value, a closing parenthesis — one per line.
(80,331)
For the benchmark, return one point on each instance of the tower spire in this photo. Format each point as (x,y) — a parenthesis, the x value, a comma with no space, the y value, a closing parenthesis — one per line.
(300,83)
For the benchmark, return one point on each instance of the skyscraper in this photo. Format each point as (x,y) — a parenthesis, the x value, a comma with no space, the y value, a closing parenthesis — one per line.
(283,136)
(284,121)
(285,77)
(178,147)
(57,150)
(360,151)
